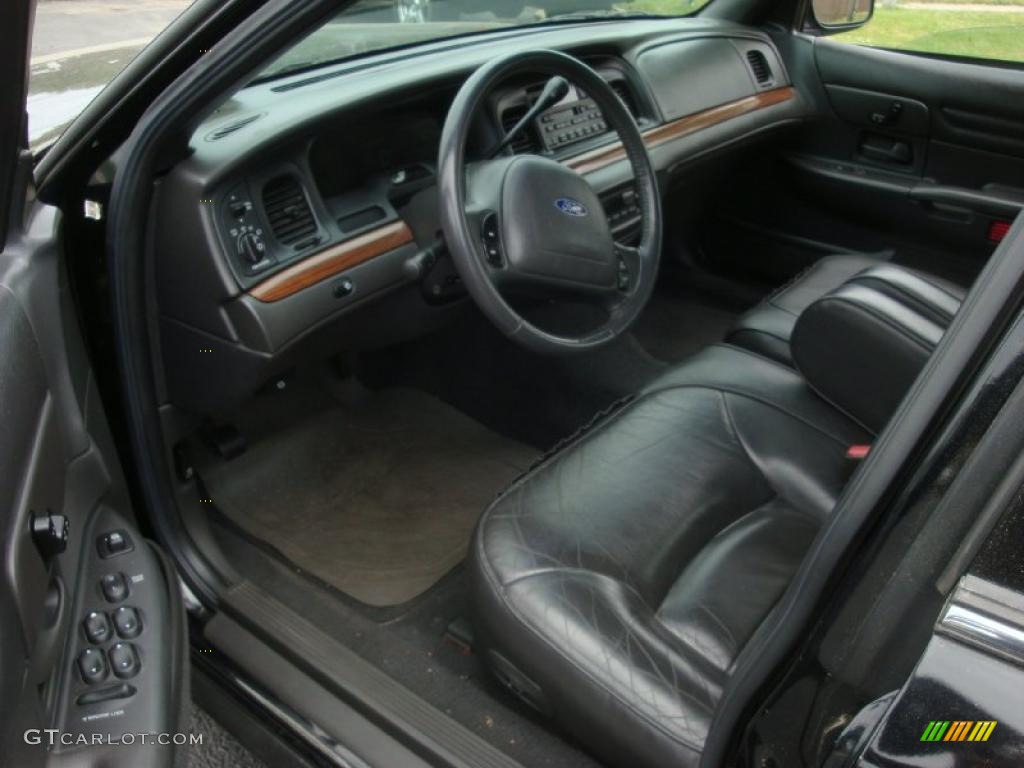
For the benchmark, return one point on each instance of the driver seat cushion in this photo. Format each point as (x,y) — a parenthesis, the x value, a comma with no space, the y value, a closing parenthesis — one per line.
(768,328)
(615,584)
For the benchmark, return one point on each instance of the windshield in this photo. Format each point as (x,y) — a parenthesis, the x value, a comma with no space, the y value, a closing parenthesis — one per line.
(78,46)
(374,25)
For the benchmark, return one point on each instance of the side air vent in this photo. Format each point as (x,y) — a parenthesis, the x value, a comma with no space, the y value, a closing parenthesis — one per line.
(623,92)
(525,142)
(287,210)
(759,67)
(228,128)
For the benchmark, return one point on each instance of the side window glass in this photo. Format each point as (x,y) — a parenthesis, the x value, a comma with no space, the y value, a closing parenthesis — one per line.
(78,46)
(981,29)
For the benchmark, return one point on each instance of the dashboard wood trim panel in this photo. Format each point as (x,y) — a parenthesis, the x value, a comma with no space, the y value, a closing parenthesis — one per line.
(603,156)
(342,256)
(333,260)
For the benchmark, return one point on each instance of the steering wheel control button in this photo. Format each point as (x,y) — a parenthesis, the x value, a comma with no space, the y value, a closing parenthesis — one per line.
(127,623)
(97,627)
(124,660)
(114,543)
(622,279)
(92,665)
(114,587)
(492,240)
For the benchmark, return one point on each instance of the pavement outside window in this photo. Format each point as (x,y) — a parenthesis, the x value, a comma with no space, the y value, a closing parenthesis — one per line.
(78,46)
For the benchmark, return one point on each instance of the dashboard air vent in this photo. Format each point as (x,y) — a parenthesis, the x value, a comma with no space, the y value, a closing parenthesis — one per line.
(287,209)
(623,92)
(759,66)
(525,142)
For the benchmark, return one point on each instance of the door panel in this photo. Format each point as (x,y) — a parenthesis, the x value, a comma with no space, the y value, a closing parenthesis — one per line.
(58,466)
(914,157)
(62,493)
(973,105)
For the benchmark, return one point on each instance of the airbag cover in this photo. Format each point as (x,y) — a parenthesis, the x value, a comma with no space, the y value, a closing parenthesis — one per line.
(554,225)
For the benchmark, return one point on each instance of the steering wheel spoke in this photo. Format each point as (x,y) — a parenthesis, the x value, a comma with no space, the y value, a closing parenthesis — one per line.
(528,223)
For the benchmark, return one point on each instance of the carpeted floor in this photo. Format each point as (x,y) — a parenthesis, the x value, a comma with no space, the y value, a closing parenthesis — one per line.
(376,496)
(411,646)
(219,748)
(673,327)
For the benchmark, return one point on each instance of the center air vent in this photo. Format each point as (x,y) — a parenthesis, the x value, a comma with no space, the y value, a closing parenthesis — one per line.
(287,210)
(525,142)
(759,67)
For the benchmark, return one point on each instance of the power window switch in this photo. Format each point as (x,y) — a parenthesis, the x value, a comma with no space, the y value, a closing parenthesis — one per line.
(92,665)
(127,622)
(97,627)
(124,660)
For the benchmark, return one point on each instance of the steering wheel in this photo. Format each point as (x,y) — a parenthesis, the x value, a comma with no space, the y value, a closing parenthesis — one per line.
(530,223)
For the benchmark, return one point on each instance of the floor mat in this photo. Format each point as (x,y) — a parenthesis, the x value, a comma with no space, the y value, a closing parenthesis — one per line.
(376,497)
(219,749)
(674,327)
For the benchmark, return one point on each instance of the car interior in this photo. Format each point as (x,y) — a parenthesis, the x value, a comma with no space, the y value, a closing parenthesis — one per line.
(525,369)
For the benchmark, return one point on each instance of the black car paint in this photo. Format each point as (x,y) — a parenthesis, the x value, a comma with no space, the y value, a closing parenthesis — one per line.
(968,671)
(915,735)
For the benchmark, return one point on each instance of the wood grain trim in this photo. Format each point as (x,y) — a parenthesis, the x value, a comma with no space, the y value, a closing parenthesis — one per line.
(684,126)
(333,260)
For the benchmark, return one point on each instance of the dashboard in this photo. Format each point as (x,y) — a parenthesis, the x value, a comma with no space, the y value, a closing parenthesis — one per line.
(305,218)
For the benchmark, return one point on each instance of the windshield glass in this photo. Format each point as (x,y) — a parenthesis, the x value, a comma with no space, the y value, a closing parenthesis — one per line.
(78,46)
(374,25)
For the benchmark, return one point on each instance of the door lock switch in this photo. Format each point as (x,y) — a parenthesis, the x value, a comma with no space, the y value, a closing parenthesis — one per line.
(888,118)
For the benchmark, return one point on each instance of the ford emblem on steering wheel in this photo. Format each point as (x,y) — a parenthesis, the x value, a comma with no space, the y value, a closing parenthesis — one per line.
(570,207)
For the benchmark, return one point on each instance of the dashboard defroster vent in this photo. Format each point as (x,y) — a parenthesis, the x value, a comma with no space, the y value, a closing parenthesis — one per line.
(759,67)
(525,142)
(287,209)
(228,128)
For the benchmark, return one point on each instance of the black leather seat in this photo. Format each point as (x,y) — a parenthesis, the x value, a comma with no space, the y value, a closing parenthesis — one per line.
(768,327)
(615,584)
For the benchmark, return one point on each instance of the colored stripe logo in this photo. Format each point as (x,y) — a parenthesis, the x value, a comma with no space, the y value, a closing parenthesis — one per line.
(958,730)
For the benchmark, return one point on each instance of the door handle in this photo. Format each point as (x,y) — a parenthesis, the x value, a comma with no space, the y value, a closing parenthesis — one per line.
(885,150)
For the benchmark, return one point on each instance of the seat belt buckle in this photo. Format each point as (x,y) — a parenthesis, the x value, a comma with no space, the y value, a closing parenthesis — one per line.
(858,452)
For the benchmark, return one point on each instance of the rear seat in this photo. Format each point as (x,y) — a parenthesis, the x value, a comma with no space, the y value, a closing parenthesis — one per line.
(768,328)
